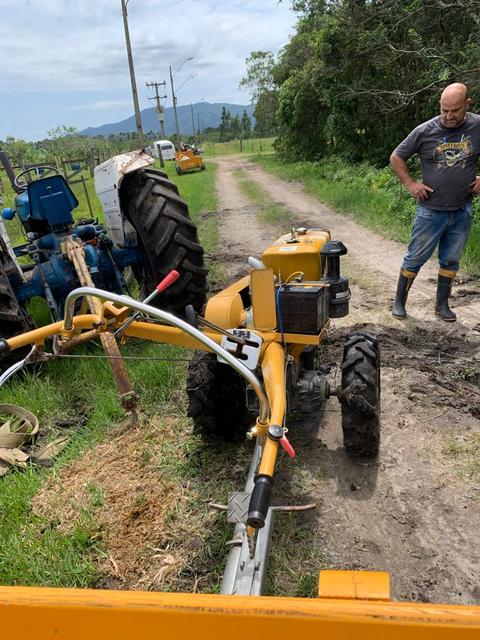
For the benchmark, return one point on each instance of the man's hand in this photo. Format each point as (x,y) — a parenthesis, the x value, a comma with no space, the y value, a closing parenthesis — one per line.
(421,191)
(475,186)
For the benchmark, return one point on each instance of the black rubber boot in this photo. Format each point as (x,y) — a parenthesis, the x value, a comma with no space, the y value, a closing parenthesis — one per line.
(444,288)
(405,281)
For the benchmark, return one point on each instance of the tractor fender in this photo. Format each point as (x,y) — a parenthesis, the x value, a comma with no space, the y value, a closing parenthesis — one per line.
(108,178)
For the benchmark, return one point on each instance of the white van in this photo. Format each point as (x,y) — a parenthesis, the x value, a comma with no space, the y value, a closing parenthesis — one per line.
(168,150)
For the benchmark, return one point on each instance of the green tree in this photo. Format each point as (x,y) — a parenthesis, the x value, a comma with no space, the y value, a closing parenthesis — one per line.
(261,83)
(359,74)
(21,152)
(236,126)
(246,125)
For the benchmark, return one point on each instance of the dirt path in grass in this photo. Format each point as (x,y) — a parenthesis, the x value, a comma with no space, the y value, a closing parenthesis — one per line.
(415,512)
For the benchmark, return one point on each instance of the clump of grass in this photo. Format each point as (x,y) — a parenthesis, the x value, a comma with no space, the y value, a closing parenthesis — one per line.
(252,145)
(269,212)
(465,451)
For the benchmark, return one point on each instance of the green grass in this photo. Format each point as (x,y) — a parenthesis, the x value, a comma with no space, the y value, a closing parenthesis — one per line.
(253,145)
(269,212)
(81,394)
(373,196)
(464,451)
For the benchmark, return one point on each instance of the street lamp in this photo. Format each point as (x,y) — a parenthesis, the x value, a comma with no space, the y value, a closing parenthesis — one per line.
(138,119)
(174,97)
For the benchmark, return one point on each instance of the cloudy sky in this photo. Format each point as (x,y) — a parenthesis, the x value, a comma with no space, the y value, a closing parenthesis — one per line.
(64,61)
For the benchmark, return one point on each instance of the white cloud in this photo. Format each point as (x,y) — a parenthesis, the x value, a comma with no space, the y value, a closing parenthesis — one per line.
(66,47)
(80,45)
(99,104)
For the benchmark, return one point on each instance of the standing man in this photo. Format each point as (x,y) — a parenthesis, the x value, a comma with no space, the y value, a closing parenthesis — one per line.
(448,147)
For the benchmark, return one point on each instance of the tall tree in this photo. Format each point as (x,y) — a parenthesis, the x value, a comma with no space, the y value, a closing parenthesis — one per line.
(246,125)
(260,82)
(359,74)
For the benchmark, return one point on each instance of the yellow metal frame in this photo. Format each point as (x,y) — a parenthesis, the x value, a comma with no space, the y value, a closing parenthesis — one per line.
(349,603)
(77,614)
(272,353)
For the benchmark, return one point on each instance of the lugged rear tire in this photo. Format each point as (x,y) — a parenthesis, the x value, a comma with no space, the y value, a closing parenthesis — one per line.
(360,397)
(168,238)
(217,399)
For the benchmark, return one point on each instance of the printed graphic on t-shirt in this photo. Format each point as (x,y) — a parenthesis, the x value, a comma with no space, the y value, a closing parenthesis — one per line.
(448,154)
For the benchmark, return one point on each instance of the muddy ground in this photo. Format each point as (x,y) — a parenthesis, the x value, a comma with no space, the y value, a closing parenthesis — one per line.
(416,511)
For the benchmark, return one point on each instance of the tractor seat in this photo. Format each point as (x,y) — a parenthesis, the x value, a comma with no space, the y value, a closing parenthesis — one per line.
(51,199)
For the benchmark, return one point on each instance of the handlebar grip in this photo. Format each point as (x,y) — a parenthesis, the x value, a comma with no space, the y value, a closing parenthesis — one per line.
(260,502)
(169,279)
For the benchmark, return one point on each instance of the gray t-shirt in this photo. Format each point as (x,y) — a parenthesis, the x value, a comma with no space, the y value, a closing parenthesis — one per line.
(448,158)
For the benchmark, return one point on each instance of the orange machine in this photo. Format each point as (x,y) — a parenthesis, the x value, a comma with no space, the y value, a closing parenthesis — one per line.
(188,160)
(264,328)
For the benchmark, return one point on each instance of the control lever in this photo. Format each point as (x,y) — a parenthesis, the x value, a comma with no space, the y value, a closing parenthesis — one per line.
(169,279)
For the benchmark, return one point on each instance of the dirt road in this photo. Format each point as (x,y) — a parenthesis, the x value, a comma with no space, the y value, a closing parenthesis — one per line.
(416,511)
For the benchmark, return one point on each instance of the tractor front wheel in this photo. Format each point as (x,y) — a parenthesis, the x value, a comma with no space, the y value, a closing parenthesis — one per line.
(217,399)
(360,397)
(167,237)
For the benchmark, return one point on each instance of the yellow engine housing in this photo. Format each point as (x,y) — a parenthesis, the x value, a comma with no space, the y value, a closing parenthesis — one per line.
(297,252)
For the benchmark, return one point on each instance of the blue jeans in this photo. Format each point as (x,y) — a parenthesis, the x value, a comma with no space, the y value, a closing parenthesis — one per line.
(447,229)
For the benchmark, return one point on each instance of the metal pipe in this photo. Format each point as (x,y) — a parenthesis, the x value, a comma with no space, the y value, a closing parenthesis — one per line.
(16,366)
(244,575)
(170,319)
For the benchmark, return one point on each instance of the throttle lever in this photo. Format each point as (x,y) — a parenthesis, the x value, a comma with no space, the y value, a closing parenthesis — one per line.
(169,279)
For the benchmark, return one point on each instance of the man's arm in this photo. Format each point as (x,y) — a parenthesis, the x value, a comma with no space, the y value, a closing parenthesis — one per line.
(418,190)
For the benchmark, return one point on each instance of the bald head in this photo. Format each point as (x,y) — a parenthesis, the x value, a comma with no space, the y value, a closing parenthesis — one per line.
(454,103)
(455,91)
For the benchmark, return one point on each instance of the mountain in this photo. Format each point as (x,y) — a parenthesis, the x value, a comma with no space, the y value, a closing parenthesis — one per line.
(206,114)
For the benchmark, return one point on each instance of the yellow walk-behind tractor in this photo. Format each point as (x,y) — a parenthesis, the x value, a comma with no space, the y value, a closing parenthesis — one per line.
(257,343)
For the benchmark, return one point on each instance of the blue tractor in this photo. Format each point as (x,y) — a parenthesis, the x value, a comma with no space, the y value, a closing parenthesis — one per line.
(147,231)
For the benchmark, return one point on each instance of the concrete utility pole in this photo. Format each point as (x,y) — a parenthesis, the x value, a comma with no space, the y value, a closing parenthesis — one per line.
(138,119)
(174,97)
(174,101)
(159,108)
(193,125)
(160,113)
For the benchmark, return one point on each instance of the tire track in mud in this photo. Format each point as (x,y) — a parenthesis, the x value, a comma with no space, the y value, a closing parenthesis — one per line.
(412,512)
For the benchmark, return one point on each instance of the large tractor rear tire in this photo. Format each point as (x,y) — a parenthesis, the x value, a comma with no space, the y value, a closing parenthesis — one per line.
(168,238)
(217,399)
(360,397)
(13,319)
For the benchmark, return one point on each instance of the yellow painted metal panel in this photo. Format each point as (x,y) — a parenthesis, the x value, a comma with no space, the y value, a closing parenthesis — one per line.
(286,258)
(226,309)
(68,614)
(263,299)
(169,335)
(363,585)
